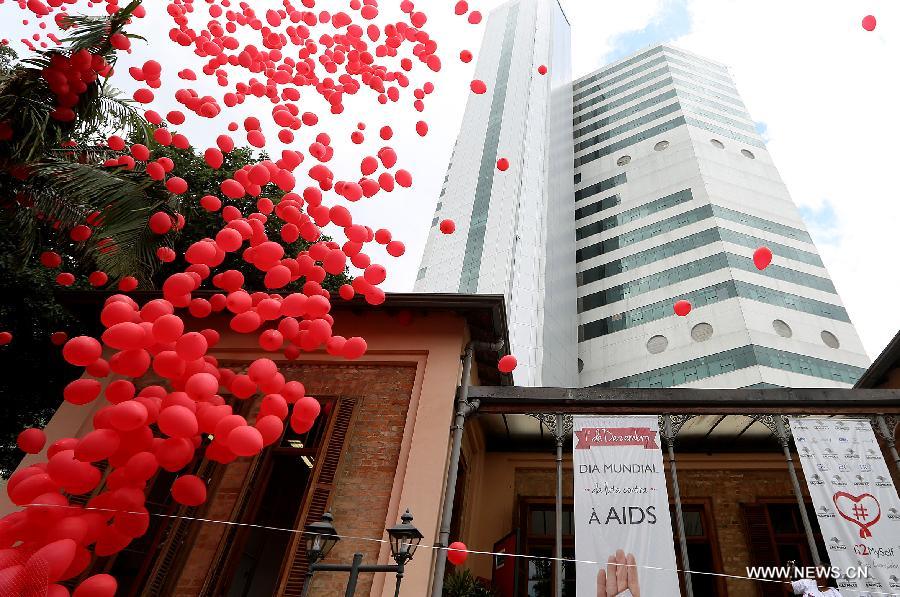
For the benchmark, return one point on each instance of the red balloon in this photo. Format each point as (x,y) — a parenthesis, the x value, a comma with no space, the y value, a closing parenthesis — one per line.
(31,441)
(82,351)
(478,86)
(245,441)
(502,164)
(160,222)
(762,257)
(177,421)
(167,328)
(465,56)
(53,559)
(542,69)
(97,445)
(868,23)
(128,415)
(457,553)
(189,490)
(354,348)
(447,226)
(507,364)
(98,585)
(682,308)
(81,391)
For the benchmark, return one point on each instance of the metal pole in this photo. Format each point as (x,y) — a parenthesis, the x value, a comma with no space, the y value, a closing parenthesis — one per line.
(399,580)
(888,435)
(354,575)
(784,438)
(463,409)
(679,516)
(309,575)
(557,589)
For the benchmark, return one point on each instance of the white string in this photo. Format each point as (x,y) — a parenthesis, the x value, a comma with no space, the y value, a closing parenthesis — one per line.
(441,548)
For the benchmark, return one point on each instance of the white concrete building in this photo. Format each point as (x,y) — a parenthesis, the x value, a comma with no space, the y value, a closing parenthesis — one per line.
(515,228)
(673,191)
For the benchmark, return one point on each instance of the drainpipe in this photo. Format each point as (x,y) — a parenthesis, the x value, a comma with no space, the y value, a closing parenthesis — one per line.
(464,409)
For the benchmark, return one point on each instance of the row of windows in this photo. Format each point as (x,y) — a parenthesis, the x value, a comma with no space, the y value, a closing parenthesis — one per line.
(695,269)
(607,71)
(735,359)
(621,88)
(729,89)
(696,61)
(705,296)
(724,78)
(671,71)
(628,126)
(725,132)
(599,187)
(680,87)
(681,84)
(723,119)
(691,217)
(475,241)
(621,101)
(599,124)
(618,78)
(629,141)
(597,206)
(635,213)
(762,224)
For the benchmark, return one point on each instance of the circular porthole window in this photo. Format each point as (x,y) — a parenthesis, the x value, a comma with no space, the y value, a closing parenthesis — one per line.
(702,332)
(717,143)
(830,339)
(661,145)
(748,154)
(657,344)
(782,329)
(623,160)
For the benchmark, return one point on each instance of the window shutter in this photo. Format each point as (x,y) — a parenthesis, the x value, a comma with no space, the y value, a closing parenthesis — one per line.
(762,549)
(297,564)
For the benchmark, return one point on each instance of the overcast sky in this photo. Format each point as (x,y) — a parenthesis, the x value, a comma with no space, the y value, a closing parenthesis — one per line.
(823,90)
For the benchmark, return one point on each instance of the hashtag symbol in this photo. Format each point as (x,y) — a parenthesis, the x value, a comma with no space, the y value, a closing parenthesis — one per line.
(860,512)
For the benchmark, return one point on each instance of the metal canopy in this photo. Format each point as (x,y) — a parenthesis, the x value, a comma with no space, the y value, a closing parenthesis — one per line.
(522,400)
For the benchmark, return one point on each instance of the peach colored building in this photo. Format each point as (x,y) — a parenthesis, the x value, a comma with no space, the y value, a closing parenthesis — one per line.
(379,447)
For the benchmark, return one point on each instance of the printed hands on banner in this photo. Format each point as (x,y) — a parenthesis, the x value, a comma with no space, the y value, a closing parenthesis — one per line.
(620,579)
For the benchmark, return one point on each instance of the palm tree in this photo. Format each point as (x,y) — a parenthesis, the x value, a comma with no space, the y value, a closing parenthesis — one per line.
(53,144)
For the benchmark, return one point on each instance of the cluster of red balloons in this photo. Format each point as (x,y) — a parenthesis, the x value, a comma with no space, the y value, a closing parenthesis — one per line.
(140,430)
(68,78)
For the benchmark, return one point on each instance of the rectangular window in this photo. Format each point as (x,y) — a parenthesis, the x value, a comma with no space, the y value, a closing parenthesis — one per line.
(628,126)
(629,141)
(602,122)
(618,78)
(599,187)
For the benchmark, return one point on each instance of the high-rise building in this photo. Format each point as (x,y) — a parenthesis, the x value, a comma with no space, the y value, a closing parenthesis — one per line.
(674,190)
(515,227)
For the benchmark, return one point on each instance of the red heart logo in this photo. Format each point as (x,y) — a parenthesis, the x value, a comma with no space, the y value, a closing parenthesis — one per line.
(863,510)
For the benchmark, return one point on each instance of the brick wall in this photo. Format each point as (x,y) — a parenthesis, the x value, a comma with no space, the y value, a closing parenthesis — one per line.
(364,482)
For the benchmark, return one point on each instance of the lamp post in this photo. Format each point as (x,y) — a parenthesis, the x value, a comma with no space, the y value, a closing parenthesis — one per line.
(321,537)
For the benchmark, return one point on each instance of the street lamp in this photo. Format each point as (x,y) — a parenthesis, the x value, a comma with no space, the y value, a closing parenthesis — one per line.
(321,537)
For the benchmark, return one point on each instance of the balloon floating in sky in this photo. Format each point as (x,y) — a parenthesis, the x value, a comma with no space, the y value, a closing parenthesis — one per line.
(868,23)
(682,308)
(507,364)
(502,164)
(542,69)
(762,257)
(447,226)
(457,553)
(478,87)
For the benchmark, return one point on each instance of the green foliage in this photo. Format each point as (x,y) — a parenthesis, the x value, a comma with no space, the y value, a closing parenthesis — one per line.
(461,583)
(32,371)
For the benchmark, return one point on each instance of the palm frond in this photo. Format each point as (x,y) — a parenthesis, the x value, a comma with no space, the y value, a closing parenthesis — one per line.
(111,113)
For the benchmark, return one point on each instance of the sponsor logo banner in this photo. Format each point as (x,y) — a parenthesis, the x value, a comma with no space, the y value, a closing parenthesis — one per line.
(855,500)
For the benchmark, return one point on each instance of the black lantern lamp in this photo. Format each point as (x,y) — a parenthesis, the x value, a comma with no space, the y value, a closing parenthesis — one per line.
(321,537)
(405,538)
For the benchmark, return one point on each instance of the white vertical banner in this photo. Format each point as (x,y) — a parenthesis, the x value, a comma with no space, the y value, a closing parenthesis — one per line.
(622,508)
(854,497)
